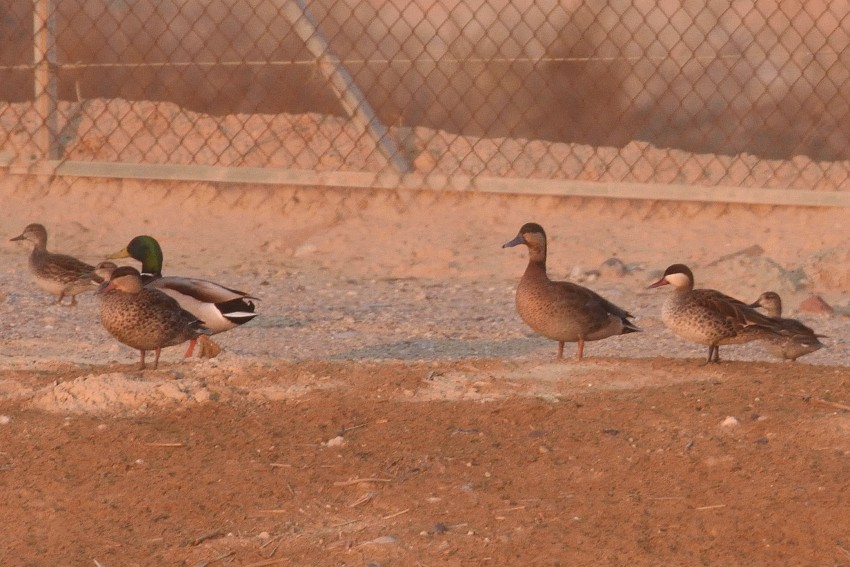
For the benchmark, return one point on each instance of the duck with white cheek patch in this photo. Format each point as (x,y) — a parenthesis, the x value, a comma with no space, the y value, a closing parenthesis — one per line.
(709,317)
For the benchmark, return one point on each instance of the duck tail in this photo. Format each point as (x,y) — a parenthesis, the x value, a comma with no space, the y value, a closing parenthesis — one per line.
(237,311)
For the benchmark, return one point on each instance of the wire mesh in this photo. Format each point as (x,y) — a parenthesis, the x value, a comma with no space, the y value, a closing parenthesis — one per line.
(672,91)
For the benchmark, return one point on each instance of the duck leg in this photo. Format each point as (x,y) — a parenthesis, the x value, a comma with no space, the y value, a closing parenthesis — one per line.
(191,349)
(580,352)
(142,360)
(156,358)
(560,350)
(713,354)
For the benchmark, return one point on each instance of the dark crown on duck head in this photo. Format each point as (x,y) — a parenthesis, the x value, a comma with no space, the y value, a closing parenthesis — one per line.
(123,271)
(679,269)
(530,227)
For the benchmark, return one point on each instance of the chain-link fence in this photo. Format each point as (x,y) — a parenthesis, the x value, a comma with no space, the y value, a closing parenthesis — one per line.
(746,94)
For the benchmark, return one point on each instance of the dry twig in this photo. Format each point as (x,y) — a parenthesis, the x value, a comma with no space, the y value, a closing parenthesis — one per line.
(712,507)
(209,535)
(360,481)
(405,511)
(833,404)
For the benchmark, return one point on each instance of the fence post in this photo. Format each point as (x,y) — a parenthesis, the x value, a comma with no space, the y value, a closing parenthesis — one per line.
(45,89)
(342,82)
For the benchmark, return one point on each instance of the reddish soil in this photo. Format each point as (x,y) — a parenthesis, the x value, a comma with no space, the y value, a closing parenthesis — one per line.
(389,407)
(590,473)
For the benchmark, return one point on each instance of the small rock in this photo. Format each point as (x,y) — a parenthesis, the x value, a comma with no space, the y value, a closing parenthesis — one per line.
(440,528)
(730,421)
(304,250)
(337,441)
(5,420)
(612,268)
(816,304)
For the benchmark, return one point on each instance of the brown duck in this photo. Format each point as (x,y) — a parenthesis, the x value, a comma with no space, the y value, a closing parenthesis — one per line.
(58,274)
(560,310)
(795,340)
(145,318)
(709,317)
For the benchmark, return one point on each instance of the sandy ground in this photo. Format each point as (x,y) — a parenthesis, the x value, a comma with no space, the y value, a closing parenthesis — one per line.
(389,407)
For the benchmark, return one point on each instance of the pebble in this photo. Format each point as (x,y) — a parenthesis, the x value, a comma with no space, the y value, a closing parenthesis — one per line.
(337,441)
(613,268)
(816,304)
(730,421)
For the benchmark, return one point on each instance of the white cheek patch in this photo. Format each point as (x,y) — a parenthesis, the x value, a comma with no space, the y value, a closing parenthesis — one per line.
(677,280)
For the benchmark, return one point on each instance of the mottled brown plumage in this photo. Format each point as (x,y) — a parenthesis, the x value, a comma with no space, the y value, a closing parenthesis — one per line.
(709,317)
(560,310)
(795,340)
(145,318)
(58,274)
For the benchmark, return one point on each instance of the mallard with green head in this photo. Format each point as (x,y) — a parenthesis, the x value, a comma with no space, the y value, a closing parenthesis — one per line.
(143,317)
(59,274)
(220,308)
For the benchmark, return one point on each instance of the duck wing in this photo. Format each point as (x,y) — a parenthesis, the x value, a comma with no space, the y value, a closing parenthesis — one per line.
(590,308)
(798,331)
(203,290)
(64,268)
(740,314)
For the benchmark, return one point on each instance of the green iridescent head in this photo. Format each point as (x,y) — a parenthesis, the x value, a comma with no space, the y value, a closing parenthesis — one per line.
(146,250)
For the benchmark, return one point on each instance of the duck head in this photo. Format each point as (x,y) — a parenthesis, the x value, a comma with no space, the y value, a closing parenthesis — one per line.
(532,235)
(125,279)
(770,302)
(35,233)
(146,250)
(103,271)
(678,275)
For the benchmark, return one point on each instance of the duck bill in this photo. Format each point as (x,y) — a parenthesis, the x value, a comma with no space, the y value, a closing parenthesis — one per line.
(754,305)
(515,242)
(20,237)
(104,287)
(120,254)
(659,283)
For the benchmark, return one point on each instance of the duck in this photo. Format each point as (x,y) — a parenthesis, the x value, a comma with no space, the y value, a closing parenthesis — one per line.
(145,318)
(57,274)
(796,338)
(220,308)
(709,317)
(560,310)
(103,271)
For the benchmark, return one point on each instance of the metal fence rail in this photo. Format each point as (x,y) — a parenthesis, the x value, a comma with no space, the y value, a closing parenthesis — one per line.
(443,94)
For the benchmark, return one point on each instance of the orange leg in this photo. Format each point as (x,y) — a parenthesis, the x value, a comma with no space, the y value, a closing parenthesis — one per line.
(142,360)
(191,349)
(580,352)
(560,350)
(156,358)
